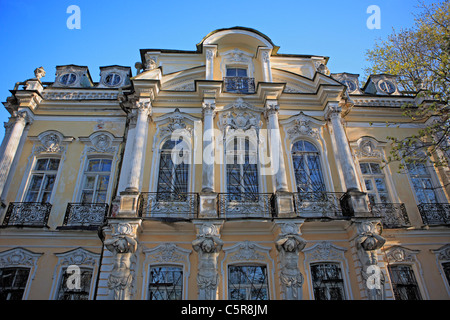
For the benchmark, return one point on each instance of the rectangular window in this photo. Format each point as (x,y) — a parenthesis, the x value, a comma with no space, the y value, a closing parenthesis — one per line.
(70,289)
(42,180)
(247,283)
(327,281)
(375,183)
(166,283)
(13,282)
(422,182)
(96,180)
(404,283)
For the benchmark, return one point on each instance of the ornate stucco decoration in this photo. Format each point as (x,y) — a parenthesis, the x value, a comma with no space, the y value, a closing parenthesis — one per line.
(208,246)
(324,251)
(101,142)
(300,126)
(122,245)
(396,254)
(322,68)
(240,115)
(367,242)
(368,148)
(237,58)
(289,244)
(247,251)
(50,141)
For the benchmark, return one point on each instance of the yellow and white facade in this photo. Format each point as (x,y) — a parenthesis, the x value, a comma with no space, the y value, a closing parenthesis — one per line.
(228,172)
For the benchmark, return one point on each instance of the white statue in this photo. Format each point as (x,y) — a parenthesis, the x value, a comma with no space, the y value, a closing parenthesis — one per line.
(207,245)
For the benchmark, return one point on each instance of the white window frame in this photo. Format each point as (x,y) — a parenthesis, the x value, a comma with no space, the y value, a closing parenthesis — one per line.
(87,173)
(179,266)
(44,173)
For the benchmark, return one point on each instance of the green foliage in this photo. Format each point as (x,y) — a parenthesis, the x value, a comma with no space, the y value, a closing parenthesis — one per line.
(420,57)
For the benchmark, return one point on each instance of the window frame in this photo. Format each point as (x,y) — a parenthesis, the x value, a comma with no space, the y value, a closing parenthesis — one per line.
(181,279)
(411,271)
(248,287)
(436,185)
(17,268)
(372,176)
(44,173)
(305,160)
(342,280)
(87,173)
(60,290)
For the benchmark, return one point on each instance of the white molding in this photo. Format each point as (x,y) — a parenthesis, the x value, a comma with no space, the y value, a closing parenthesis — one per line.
(323,252)
(165,254)
(443,256)
(20,257)
(80,257)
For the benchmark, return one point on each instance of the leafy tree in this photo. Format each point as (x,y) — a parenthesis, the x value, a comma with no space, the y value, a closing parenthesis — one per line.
(420,57)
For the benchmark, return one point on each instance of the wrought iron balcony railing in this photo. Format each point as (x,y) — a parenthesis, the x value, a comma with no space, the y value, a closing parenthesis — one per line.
(85,215)
(245,205)
(239,84)
(435,213)
(168,205)
(393,215)
(318,204)
(27,214)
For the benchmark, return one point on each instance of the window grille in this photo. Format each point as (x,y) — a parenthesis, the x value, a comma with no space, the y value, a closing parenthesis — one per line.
(327,281)
(166,283)
(247,283)
(404,283)
(13,282)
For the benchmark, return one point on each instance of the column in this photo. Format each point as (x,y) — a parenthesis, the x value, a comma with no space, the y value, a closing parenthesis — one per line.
(354,201)
(143,109)
(265,61)
(210,52)
(333,114)
(11,147)
(276,150)
(208,145)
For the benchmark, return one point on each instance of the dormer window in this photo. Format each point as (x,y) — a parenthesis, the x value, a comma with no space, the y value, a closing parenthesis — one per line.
(68,78)
(112,79)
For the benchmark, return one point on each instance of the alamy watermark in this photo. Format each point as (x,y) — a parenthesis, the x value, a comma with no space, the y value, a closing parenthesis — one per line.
(374,20)
(74,20)
(73,281)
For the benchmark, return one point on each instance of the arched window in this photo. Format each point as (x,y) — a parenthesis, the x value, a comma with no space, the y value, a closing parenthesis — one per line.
(307,168)
(174,163)
(242,170)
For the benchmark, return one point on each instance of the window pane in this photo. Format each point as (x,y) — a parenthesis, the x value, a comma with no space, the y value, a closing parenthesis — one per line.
(87,196)
(364,168)
(41,164)
(102,183)
(327,281)
(242,72)
(247,283)
(36,181)
(106,165)
(375,168)
(94,165)
(89,182)
(381,186)
(53,164)
(231,72)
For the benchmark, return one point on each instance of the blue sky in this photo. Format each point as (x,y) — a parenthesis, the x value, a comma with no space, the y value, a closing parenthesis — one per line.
(35,33)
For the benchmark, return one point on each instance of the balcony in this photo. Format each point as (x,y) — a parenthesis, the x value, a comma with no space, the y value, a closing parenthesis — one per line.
(393,215)
(434,213)
(27,214)
(168,205)
(318,204)
(245,205)
(85,215)
(239,85)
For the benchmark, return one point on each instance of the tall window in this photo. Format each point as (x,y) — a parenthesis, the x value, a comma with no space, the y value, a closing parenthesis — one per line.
(422,182)
(404,282)
(173,168)
(327,281)
(307,169)
(375,183)
(42,180)
(96,180)
(69,291)
(247,283)
(242,170)
(13,282)
(166,283)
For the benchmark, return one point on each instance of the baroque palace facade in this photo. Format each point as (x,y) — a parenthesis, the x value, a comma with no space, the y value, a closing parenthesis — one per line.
(229,172)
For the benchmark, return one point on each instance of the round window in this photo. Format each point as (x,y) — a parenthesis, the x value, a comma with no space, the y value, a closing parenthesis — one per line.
(350,85)
(68,78)
(112,79)
(386,86)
